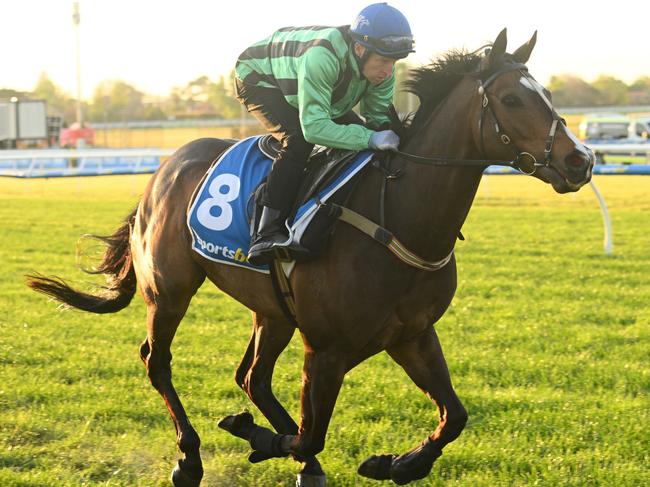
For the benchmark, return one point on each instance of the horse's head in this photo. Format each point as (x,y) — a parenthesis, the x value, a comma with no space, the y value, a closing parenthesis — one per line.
(517,120)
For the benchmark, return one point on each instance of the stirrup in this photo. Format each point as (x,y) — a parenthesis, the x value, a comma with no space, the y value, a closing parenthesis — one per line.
(262,256)
(292,251)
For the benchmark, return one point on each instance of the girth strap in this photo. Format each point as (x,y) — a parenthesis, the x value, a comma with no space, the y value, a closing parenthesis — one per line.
(282,287)
(387,239)
(283,292)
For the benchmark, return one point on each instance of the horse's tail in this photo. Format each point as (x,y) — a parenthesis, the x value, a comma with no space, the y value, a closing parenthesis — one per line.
(116,265)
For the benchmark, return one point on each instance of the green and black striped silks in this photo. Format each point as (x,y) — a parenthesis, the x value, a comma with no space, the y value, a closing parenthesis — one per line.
(317,72)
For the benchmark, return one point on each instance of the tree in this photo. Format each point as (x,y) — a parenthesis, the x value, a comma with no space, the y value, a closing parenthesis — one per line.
(116,100)
(639,92)
(58,101)
(203,98)
(611,91)
(222,97)
(7,93)
(571,91)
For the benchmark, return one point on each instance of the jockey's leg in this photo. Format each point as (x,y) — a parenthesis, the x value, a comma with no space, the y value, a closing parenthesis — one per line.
(282,120)
(282,185)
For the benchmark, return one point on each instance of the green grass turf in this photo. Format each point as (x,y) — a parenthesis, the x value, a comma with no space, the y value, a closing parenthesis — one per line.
(547,341)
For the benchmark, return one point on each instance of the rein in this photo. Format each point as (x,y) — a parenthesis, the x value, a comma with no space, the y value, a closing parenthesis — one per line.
(505,139)
(442,161)
(382,235)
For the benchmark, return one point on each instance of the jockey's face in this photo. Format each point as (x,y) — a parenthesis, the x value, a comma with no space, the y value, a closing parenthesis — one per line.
(377,67)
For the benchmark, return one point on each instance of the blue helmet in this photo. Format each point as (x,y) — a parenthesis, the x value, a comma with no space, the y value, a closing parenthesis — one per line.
(384,30)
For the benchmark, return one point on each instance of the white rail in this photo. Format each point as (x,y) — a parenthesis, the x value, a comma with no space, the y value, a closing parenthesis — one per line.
(621,149)
(51,163)
(96,162)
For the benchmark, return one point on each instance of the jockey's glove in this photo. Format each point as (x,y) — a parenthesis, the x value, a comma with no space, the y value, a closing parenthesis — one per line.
(384,140)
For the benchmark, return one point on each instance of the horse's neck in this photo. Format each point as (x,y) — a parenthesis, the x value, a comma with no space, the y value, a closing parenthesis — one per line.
(429,205)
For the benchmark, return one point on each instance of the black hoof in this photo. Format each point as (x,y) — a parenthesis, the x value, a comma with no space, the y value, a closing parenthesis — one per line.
(377,467)
(240,425)
(414,465)
(180,478)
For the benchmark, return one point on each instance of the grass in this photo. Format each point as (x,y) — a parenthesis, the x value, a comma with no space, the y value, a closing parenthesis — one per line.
(547,343)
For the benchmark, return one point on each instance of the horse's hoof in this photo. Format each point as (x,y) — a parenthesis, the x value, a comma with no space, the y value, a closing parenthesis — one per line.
(377,467)
(239,425)
(414,465)
(306,480)
(181,478)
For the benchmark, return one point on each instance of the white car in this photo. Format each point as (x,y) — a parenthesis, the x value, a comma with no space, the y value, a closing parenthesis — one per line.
(639,129)
(604,126)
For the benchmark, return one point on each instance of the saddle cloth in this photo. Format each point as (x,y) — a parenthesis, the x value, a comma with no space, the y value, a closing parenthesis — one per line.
(219,216)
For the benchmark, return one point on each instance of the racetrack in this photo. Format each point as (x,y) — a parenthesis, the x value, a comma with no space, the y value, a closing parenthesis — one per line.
(547,343)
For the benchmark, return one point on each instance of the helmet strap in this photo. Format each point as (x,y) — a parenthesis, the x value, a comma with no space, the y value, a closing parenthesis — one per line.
(361,60)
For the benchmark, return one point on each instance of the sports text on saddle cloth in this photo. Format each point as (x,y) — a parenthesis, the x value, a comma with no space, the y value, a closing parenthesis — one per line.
(219,217)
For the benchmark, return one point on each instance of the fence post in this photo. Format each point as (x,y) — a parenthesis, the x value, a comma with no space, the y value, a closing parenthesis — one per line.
(607,223)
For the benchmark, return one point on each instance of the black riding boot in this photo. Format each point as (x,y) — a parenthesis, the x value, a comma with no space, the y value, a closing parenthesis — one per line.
(272,233)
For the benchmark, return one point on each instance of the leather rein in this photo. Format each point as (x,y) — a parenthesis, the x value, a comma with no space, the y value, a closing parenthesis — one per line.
(382,235)
(519,155)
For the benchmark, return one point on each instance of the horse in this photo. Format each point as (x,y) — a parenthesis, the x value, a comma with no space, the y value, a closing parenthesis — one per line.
(356,299)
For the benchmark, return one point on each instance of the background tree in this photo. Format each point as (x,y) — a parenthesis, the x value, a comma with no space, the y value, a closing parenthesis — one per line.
(8,93)
(222,97)
(611,91)
(193,100)
(571,91)
(204,98)
(117,100)
(58,101)
(638,93)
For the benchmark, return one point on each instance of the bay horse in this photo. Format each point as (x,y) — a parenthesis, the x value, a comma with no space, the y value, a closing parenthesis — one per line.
(356,299)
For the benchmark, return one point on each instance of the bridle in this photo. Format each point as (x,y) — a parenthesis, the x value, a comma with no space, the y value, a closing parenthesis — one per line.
(382,235)
(519,155)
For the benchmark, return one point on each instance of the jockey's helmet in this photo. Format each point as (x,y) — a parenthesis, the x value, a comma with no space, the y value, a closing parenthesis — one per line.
(383,29)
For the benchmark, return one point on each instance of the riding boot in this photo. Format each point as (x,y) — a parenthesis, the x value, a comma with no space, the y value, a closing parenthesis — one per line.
(272,233)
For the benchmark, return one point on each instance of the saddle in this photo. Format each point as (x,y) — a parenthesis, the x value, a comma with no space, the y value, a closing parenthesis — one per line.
(323,167)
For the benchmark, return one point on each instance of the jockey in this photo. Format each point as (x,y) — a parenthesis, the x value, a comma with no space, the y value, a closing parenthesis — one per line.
(301,83)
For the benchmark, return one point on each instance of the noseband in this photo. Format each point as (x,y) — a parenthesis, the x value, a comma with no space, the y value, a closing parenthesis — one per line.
(520,155)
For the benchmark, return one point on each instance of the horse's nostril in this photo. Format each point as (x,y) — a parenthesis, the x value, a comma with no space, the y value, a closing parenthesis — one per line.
(576,159)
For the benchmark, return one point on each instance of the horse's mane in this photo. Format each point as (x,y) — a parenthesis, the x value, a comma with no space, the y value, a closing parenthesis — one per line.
(432,83)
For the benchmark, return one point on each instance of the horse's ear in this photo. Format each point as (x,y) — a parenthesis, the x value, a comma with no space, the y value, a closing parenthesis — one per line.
(522,54)
(498,48)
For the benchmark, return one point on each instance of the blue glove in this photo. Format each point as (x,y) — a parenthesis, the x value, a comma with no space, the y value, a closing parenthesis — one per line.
(384,140)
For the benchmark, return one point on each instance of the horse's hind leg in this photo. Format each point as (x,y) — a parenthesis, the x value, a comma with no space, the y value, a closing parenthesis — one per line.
(164,313)
(424,362)
(254,375)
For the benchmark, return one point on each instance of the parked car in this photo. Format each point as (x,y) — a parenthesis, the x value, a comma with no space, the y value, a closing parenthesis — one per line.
(604,126)
(639,129)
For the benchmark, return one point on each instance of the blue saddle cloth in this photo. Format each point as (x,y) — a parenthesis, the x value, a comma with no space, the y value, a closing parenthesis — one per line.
(219,218)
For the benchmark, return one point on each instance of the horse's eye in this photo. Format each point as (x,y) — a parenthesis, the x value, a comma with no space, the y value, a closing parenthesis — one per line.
(511,101)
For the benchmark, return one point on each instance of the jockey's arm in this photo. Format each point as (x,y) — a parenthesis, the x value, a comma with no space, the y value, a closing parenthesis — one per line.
(317,75)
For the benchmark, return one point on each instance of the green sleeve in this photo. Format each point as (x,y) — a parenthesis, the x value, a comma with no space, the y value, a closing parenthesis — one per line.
(375,103)
(318,72)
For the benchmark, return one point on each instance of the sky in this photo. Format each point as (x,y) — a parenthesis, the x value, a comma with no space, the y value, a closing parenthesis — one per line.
(158,44)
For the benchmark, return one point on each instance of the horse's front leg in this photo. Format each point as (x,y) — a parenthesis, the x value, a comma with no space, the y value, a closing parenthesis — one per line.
(423,360)
(323,374)
(254,375)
